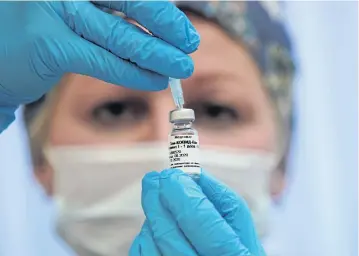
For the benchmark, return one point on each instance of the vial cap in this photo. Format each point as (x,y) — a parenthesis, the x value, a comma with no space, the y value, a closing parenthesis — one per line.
(182,114)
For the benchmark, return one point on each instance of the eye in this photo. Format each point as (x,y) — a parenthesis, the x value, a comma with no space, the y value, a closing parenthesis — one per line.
(215,114)
(115,113)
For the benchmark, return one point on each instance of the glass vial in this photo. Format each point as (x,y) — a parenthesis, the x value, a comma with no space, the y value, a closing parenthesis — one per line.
(183,143)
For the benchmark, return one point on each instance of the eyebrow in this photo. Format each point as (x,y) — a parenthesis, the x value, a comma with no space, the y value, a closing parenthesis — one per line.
(208,78)
(215,84)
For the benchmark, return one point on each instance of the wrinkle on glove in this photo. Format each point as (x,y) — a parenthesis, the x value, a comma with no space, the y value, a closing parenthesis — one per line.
(189,218)
(144,244)
(233,209)
(166,233)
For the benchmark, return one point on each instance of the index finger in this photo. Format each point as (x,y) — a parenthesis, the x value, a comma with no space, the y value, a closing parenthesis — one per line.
(199,220)
(162,18)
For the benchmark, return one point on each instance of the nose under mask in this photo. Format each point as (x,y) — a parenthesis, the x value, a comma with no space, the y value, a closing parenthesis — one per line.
(98,190)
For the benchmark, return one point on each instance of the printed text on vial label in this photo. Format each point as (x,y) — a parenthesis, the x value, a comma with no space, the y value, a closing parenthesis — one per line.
(184,153)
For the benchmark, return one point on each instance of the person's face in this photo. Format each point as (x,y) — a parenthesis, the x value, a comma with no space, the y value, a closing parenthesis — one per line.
(225,91)
(231,106)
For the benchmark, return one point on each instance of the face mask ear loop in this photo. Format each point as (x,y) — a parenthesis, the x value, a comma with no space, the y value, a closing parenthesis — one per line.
(283,143)
(279,158)
(281,152)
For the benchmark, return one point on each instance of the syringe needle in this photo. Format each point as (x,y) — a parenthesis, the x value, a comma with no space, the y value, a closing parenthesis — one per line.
(177,93)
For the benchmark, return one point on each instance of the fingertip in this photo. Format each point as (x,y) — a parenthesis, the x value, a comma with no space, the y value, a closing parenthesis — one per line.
(175,177)
(174,183)
(187,37)
(146,228)
(150,81)
(208,180)
(151,174)
(169,183)
(188,67)
(176,65)
(193,43)
(183,66)
(223,197)
(170,173)
(162,83)
(150,181)
(215,190)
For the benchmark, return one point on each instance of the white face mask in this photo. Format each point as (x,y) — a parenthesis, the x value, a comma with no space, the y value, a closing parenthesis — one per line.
(98,190)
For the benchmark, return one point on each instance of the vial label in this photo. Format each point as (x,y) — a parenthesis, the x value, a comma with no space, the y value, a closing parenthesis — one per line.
(184,153)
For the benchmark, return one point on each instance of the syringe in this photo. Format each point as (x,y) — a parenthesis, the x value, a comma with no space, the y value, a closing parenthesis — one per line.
(177,93)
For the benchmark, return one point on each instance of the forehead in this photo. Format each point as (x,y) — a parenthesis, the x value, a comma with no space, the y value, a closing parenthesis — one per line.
(219,52)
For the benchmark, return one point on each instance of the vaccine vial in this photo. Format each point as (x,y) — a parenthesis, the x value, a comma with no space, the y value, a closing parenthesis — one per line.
(183,143)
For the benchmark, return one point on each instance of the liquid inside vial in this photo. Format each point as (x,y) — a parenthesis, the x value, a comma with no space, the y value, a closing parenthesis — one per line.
(184,151)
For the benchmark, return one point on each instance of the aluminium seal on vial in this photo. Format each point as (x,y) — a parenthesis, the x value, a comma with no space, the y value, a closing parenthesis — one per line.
(183,145)
(182,115)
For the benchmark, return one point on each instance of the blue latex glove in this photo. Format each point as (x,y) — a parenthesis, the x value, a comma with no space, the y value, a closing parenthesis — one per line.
(40,41)
(188,218)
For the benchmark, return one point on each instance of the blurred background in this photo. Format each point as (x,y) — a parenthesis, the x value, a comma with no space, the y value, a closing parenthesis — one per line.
(317,214)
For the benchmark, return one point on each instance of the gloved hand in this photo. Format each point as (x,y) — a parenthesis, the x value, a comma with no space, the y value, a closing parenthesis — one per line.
(186,218)
(40,41)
